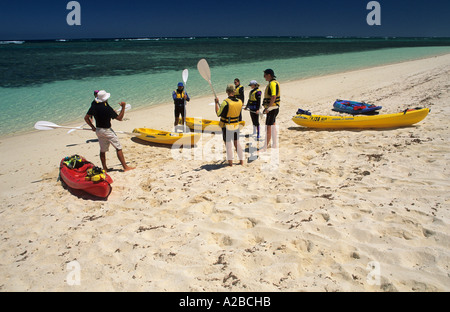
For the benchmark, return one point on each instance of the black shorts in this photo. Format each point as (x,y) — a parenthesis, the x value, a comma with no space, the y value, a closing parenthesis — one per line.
(229,135)
(272,117)
(179,110)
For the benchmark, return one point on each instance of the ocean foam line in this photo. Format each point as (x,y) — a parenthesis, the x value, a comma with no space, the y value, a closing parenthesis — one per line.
(12,42)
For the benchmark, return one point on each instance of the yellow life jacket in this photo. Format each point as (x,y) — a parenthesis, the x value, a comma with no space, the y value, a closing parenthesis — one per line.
(268,95)
(252,99)
(179,100)
(238,91)
(74,162)
(231,121)
(95,175)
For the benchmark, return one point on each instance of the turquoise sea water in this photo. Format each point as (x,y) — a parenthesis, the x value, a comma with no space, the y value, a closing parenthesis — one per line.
(55,80)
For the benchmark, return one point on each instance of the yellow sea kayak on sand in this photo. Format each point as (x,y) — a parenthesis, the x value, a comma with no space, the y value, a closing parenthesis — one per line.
(403,119)
(168,138)
(206,125)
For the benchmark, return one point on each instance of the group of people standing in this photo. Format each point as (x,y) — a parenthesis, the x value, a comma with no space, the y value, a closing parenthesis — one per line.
(229,111)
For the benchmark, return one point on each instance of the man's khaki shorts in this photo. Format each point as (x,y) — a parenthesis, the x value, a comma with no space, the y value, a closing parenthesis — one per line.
(107,137)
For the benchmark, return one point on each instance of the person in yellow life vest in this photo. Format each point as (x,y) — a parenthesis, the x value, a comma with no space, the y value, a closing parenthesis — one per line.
(271,103)
(254,105)
(180,97)
(239,93)
(229,112)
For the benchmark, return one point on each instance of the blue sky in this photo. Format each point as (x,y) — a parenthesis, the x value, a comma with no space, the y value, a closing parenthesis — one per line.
(46,19)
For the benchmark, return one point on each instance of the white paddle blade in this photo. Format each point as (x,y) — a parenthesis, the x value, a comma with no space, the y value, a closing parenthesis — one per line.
(185,76)
(127,107)
(45,125)
(204,70)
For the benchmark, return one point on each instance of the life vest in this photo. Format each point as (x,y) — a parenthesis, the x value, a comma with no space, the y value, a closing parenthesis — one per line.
(179,100)
(231,121)
(74,162)
(238,93)
(95,174)
(268,96)
(253,101)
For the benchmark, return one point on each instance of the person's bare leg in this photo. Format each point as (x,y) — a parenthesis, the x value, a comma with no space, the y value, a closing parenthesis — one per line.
(103,160)
(239,151)
(183,120)
(175,124)
(122,161)
(274,136)
(229,147)
(268,138)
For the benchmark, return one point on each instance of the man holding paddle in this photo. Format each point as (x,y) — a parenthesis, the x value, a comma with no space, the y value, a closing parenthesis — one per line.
(103,113)
(180,97)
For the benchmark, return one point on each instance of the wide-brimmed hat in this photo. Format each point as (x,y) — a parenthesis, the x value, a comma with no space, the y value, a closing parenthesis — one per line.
(102,96)
(253,83)
(180,84)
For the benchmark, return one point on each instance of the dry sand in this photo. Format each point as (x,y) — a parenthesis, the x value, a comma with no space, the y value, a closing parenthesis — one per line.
(328,211)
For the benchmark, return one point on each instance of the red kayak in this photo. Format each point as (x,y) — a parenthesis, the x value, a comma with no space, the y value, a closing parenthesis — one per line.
(80,174)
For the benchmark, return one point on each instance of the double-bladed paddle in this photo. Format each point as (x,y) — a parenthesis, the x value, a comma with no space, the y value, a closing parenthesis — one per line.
(47,125)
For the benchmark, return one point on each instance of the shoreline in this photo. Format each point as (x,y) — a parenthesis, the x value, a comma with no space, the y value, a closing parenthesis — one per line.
(337,204)
(201,98)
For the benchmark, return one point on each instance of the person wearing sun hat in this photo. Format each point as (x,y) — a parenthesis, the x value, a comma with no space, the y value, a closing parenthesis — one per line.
(103,113)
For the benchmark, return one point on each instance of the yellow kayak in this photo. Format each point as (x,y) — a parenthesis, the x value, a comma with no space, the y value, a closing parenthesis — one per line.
(403,119)
(169,138)
(206,125)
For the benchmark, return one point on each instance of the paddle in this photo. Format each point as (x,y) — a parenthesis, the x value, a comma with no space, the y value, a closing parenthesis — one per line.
(127,108)
(185,79)
(260,114)
(47,125)
(205,72)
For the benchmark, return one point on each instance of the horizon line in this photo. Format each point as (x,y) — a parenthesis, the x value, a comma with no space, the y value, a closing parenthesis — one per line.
(143,38)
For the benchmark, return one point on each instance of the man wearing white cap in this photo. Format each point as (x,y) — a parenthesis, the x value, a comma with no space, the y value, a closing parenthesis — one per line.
(103,113)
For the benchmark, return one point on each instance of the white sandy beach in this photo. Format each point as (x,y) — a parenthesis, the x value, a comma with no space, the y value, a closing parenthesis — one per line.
(328,211)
